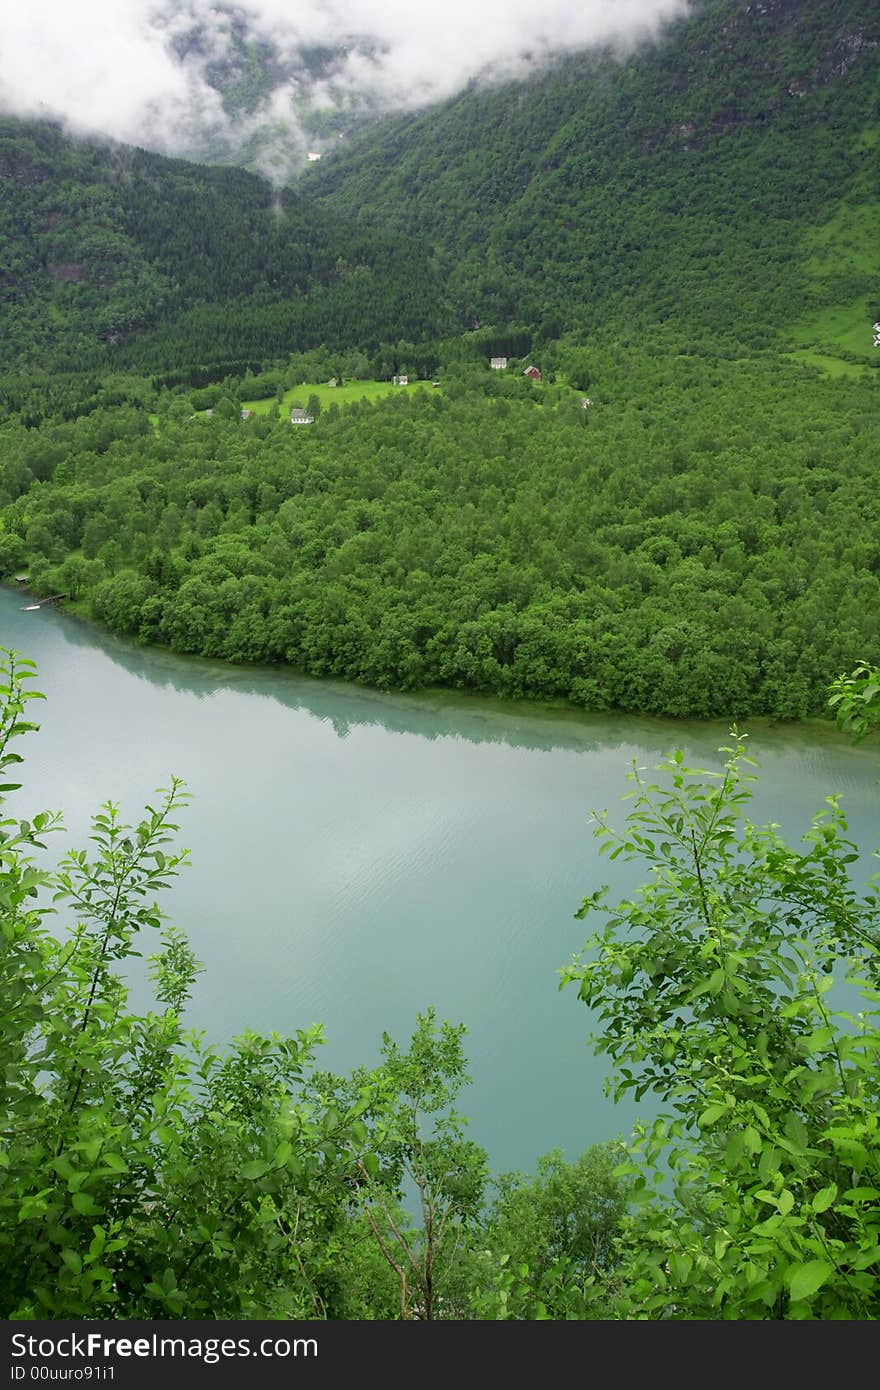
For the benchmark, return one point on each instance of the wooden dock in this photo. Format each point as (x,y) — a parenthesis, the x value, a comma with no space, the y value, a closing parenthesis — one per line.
(32,607)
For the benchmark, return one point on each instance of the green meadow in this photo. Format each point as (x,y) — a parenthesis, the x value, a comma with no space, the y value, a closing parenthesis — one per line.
(834,366)
(333,395)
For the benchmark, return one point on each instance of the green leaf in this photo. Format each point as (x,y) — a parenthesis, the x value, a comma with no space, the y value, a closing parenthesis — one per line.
(796,1131)
(867,1258)
(862,1196)
(84,1204)
(804,1280)
(763,1292)
(824,1197)
(735,1148)
(752,1139)
(72,1260)
(254,1170)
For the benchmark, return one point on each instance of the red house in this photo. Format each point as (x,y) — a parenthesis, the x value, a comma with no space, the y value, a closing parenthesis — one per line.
(532,373)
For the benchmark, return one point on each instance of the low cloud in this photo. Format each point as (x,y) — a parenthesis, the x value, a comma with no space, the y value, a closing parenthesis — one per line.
(148,72)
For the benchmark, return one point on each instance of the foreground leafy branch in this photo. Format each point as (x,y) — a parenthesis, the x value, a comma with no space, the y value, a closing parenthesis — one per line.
(855,698)
(142,1174)
(719,989)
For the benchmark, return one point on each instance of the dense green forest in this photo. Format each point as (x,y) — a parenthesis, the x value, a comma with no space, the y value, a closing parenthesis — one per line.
(699,185)
(720,185)
(114,257)
(681,234)
(630,554)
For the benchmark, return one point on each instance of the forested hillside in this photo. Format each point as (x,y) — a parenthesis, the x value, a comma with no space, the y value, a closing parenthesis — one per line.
(116,258)
(681,233)
(711,185)
(715,182)
(686,184)
(634,554)
(717,187)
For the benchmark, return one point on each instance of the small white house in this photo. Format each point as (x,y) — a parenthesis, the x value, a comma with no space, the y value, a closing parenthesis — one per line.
(246,414)
(299,417)
(312,156)
(400,381)
(499,363)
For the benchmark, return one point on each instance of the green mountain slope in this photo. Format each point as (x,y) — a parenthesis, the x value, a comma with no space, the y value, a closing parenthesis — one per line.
(112,256)
(722,183)
(717,188)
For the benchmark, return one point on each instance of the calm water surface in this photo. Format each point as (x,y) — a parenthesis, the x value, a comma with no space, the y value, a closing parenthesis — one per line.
(359,856)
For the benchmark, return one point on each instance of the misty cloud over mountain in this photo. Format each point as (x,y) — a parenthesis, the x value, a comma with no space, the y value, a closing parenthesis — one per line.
(266,79)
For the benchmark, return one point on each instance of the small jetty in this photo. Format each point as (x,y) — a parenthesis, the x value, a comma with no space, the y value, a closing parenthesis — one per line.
(32,607)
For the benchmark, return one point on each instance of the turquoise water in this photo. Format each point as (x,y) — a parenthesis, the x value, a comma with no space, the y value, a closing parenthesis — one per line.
(359,856)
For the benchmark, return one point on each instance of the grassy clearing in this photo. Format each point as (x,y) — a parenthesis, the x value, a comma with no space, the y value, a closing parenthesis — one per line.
(845,247)
(833,366)
(847,243)
(334,395)
(846,326)
(868,139)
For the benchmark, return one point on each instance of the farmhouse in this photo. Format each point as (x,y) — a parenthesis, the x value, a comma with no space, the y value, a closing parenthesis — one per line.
(400,381)
(499,363)
(532,373)
(299,417)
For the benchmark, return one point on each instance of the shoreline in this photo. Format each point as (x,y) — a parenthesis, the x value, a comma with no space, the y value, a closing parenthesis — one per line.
(495,709)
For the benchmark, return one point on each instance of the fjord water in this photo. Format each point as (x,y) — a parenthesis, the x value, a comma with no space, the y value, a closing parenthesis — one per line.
(359,856)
